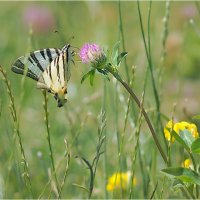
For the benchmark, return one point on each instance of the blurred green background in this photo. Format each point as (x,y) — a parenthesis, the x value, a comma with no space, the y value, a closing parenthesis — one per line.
(53,24)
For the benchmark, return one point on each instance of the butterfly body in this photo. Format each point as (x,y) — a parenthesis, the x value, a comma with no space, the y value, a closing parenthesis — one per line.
(50,68)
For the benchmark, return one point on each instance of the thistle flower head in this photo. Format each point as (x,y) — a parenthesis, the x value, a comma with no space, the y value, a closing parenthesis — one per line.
(94,54)
(90,53)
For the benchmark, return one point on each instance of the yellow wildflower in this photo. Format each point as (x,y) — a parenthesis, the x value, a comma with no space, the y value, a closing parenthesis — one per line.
(187,163)
(119,180)
(186,126)
(167,130)
(193,129)
(180,126)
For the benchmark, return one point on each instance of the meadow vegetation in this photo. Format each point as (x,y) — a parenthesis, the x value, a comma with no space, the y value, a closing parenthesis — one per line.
(130,126)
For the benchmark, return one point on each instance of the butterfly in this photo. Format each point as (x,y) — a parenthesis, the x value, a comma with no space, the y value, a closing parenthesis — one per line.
(50,68)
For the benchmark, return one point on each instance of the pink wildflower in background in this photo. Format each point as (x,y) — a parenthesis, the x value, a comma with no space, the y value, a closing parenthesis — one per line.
(189,11)
(40,19)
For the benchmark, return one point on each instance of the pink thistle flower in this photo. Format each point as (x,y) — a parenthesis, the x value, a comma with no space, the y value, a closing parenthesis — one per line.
(91,53)
(40,19)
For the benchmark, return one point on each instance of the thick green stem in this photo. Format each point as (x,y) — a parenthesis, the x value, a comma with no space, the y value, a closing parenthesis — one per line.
(130,91)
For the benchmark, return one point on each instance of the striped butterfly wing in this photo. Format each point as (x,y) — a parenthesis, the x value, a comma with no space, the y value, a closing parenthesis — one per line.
(57,74)
(35,63)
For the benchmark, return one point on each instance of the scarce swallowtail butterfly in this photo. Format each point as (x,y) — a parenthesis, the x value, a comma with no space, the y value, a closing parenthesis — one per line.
(50,68)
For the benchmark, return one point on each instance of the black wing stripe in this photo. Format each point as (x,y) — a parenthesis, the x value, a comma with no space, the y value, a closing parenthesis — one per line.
(21,71)
(67,55)
(36,61)
(29,59)
(63,60)
(19,64)
(49,55)
(50,71)
(57,67)
(42,54)
(57,52)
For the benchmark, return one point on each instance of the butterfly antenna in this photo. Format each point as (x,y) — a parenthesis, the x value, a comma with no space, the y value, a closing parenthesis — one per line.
(69,39)
(60,36)
(75,47)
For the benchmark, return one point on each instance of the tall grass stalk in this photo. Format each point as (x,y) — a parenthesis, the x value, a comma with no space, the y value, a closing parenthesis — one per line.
(153,177)
(105,141)
(122,137)
(93,165)
(165,33)
(169,143)
(197,6)
(137,133)
(150,65)
(134,97)
(79,130)
(19,178)
(137,136)
(12,107)
(164,54)
(122,39)
(24,77)
(144,176)
(49,141)
(118,134)
(67,156)
(121,156)
(163,187)
(1,107)
(127,109)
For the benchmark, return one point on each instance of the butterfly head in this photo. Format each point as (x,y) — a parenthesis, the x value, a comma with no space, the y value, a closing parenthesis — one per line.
(70,52)
(61,96)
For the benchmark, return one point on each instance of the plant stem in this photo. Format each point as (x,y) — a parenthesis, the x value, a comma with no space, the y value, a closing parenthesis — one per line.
(16,124)
(118,137)
(150,65)
(198,7)
(122,38)
(163,55)
(49,142)
(67,156)
(130,91)
(137,133)
(105,142)
(195,169)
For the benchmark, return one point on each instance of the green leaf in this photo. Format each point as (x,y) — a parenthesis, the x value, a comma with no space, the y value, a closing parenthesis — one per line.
(80,186)
(107,77)
(183,174)
(102,71)
(196,117)
(92,77)
(115,53)
(180,140)
(196,146)
(186,137)
(87,75)
(178,183)
(120,57)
